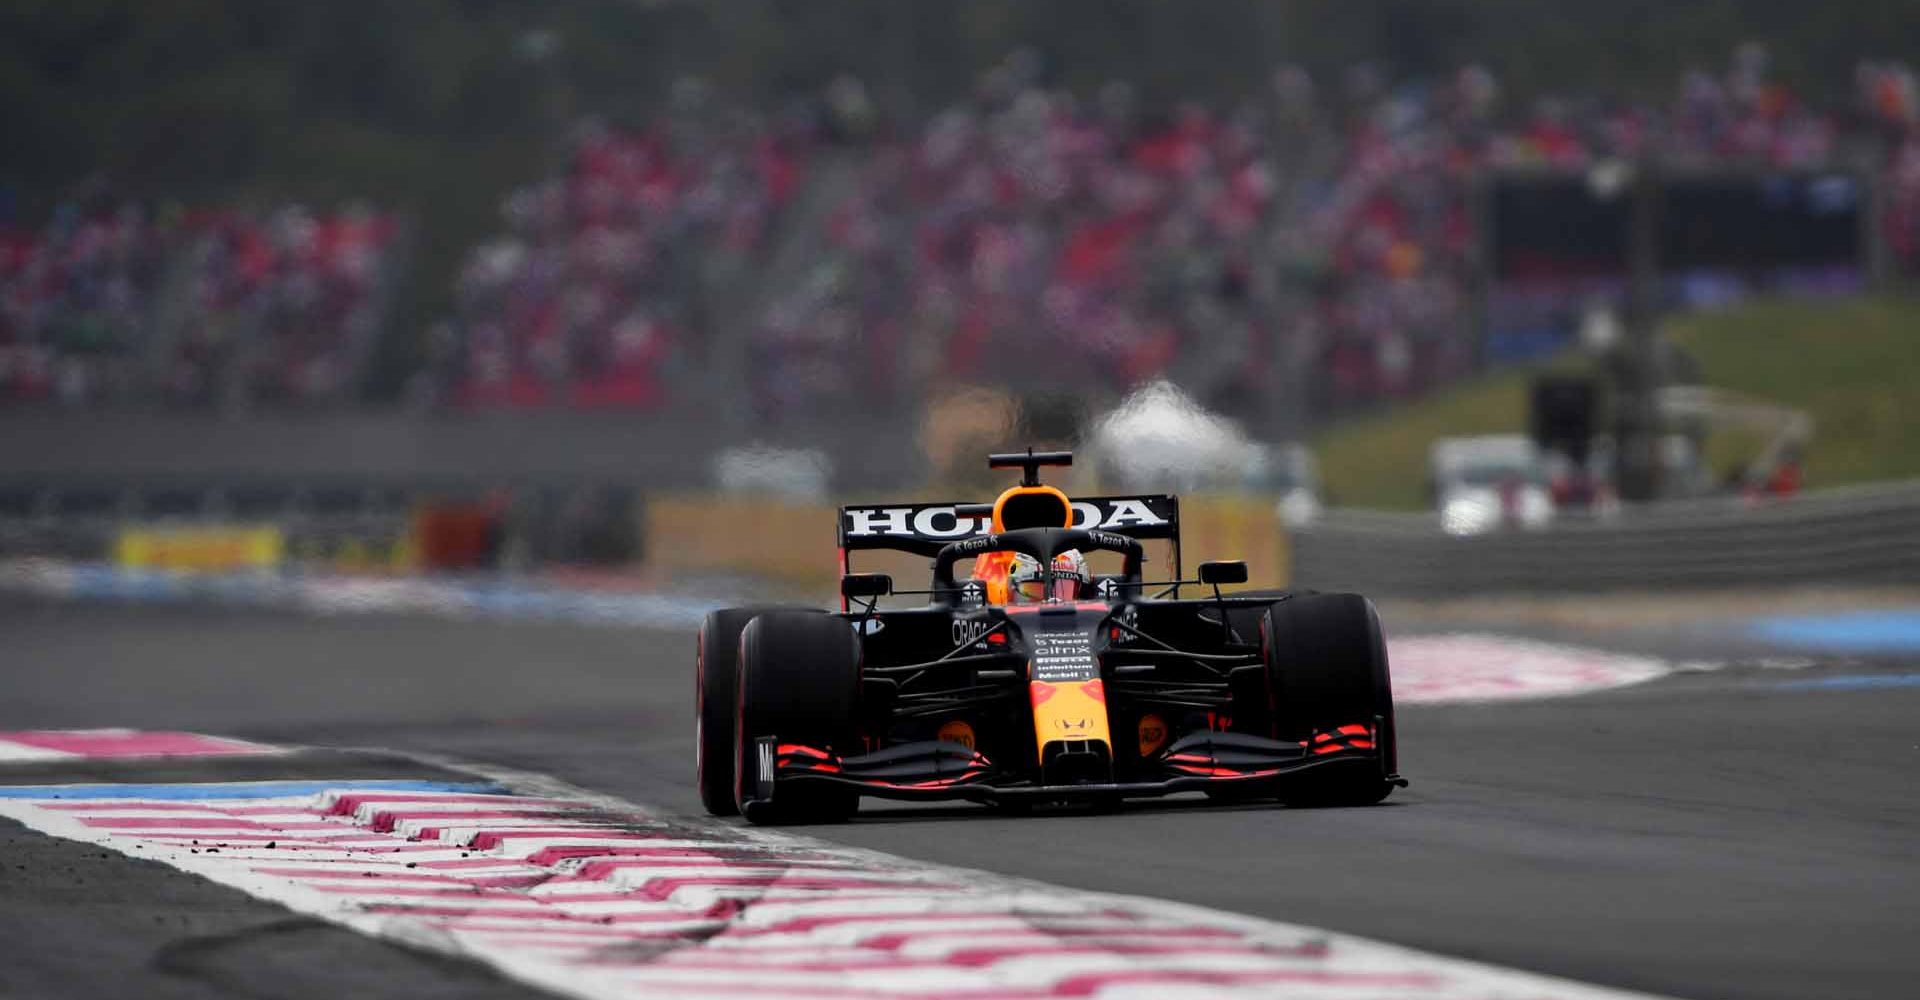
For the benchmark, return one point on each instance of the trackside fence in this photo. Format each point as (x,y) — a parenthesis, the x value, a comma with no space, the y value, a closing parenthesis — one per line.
(1860,535)
(342,523)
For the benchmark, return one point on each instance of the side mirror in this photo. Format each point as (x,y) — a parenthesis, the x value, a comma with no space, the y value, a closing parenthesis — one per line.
(1215,574)
(870,585)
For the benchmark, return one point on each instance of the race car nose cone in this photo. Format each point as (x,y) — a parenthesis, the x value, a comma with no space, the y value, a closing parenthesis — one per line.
(1076,762)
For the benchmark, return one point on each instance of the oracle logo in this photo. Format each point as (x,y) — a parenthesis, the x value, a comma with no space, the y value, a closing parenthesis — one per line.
(966,632)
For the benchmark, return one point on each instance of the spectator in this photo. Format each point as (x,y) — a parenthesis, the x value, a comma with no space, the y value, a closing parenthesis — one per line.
(106,304)
(595,288)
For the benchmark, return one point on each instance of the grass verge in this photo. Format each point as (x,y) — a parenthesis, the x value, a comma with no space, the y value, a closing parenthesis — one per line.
(1854,365)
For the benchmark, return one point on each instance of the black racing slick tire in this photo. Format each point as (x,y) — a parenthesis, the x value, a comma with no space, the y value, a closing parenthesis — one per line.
(1327,668)
(799,682)
(716,671)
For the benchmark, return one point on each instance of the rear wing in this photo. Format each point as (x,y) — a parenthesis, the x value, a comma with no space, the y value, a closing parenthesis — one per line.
(926,528)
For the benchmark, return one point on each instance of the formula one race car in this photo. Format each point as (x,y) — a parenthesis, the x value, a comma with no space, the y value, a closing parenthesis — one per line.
(1035,680)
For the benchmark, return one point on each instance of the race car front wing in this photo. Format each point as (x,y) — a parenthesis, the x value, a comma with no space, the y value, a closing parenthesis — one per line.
(1236,764)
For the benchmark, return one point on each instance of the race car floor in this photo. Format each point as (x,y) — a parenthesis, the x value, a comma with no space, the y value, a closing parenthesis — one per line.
(1745,832)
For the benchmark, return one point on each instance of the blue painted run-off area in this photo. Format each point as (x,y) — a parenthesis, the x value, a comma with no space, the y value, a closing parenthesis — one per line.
(207,791)
(1855,682)
(1884,631)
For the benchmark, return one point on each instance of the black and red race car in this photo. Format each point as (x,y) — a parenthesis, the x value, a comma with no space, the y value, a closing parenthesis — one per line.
(1109,686)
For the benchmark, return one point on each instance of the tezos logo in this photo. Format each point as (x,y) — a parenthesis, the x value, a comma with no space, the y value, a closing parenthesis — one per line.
(983,543)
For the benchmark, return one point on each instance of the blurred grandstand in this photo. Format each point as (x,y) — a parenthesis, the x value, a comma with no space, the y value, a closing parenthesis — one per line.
(113,302)
(1224,248)
(1304,252)
(555,263)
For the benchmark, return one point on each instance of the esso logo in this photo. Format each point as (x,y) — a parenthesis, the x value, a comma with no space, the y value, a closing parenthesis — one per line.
(957,731)
(1153,734)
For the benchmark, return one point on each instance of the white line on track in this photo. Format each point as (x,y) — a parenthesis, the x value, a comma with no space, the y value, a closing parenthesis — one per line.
(1462,667)
(603,899)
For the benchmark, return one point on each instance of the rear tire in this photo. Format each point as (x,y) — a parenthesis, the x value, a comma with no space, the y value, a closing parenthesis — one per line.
(1326,668)
(716,672)
(799,681)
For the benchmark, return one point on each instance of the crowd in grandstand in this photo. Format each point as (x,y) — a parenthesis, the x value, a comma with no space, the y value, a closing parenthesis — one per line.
(1321,226)
(1028,226)
(603,275)
(290,303)
(112,302)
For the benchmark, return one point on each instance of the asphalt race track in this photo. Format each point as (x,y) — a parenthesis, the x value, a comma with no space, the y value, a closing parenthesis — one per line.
(1740,833)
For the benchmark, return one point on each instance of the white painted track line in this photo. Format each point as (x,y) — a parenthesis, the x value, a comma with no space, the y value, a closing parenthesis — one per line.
(596,898)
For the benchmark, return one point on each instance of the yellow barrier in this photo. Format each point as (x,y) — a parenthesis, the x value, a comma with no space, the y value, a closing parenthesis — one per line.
(788,542)
(1235,527)
(794,542)
(200,549)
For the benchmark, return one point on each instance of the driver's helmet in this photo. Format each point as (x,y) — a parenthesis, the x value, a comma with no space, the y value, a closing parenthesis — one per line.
(1027,585)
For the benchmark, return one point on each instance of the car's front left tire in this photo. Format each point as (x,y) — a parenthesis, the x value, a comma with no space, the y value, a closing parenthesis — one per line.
(799,682)
(715,697)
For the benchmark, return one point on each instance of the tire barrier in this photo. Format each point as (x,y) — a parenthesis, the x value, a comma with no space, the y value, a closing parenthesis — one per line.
(342,525)
(1856,535)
